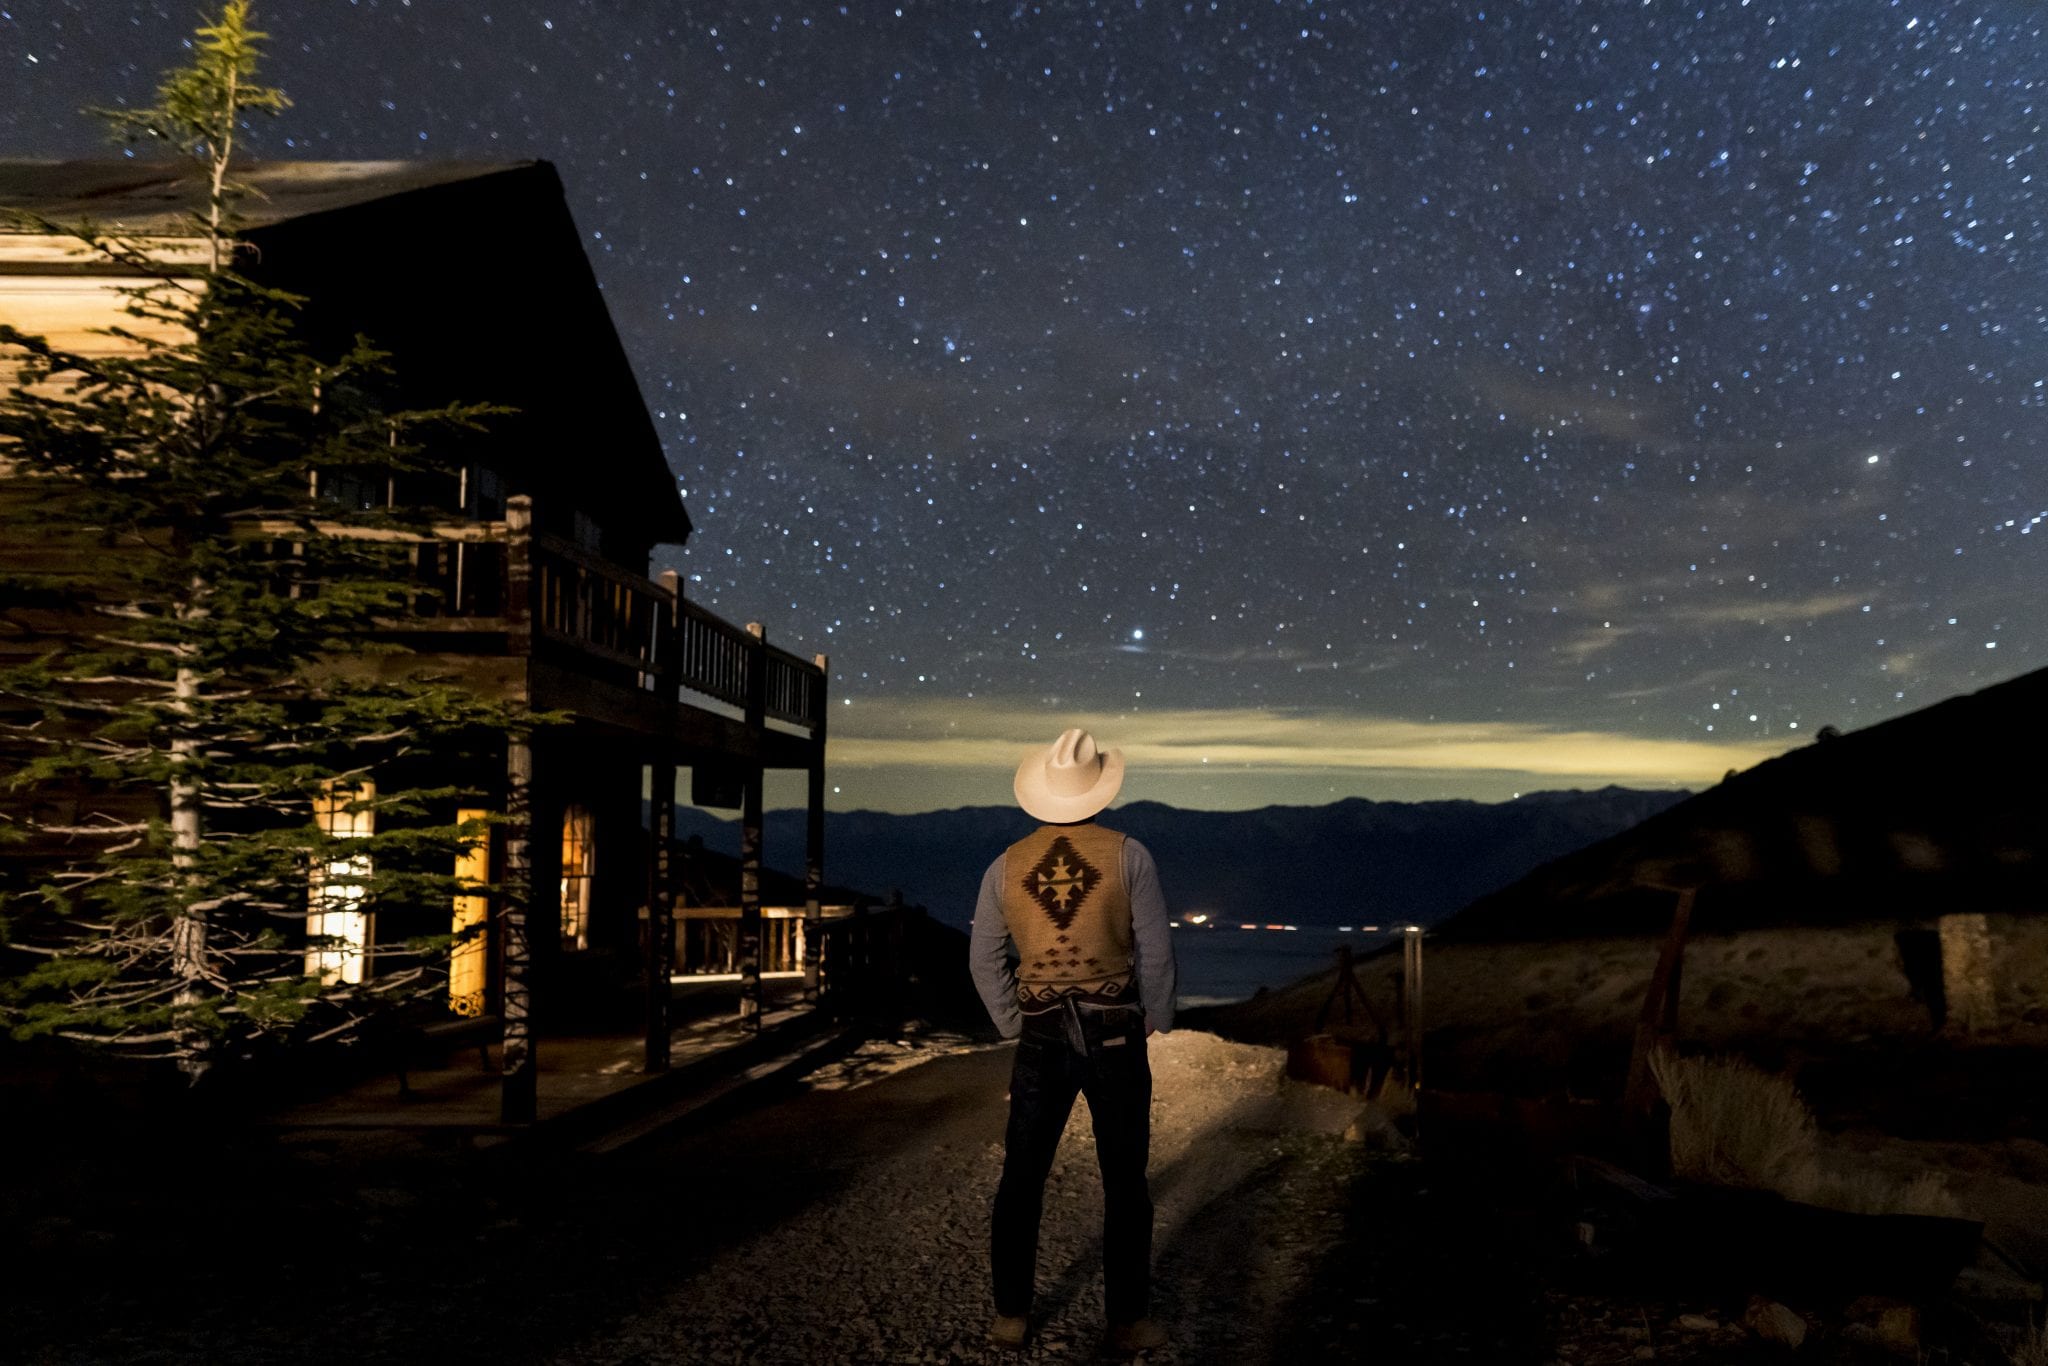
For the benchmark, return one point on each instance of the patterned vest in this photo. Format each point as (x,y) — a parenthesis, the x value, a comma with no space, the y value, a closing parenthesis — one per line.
(1068,911)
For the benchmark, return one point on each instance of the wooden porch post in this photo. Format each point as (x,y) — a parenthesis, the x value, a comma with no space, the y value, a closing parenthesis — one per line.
(517,1098)
(814,842)
(750,831)
(661,924)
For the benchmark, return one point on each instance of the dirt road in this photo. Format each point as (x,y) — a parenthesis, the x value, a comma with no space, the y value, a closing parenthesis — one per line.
(888,1263)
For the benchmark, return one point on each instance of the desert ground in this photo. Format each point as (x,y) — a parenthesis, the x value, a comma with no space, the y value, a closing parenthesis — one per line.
(843,1218)
(1831,1007)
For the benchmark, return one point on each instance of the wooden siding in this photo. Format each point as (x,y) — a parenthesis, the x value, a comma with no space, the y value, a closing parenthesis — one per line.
(50,288)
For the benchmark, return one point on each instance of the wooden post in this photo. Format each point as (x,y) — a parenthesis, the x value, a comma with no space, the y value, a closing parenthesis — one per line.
(1969,979)
(518,1096)
(661,900)
(1658,1021)
(814,841)
(661,925)
(1411,1002)
(519,575)
(750,831)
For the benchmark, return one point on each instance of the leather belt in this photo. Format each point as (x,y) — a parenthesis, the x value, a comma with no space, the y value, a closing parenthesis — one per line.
(1077,1025)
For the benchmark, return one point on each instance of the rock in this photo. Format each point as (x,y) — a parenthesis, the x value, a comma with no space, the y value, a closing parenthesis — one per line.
(1773,1322)
(1698,1323)
(1996,1284)
(1375,1128)
(1891,1324)
(1898,1329)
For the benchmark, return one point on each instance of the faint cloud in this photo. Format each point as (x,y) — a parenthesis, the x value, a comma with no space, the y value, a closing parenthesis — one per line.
(993,736)
(1593,641)
(1768,611)
(1711,678)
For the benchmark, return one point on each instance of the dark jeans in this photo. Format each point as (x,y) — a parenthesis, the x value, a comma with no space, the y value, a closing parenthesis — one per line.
(1117,1079)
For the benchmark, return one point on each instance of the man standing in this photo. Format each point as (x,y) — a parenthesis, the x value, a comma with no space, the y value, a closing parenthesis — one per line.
(1092,979)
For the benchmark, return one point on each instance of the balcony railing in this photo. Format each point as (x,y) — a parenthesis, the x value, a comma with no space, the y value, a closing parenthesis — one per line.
(601,618)
(714,655)
(637,631)
(718,659)
(598,610)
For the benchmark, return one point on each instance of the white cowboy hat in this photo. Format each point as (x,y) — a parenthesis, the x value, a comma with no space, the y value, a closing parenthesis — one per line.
(1070,779)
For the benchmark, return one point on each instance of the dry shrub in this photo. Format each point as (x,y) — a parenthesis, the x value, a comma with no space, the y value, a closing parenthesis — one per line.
(2032,1348)
(1733,1124)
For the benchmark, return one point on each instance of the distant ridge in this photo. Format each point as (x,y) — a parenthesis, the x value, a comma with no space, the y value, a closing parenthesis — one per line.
(1350,862)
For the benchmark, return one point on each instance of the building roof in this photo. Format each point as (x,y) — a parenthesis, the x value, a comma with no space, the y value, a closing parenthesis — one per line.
(158,197)
(472,274)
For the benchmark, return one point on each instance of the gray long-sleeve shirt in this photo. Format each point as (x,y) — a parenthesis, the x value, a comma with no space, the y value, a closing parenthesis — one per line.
(988,956)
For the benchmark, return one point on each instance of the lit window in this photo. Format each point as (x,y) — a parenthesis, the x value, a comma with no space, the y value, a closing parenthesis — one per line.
(470,961)
(576,864)
(338,915)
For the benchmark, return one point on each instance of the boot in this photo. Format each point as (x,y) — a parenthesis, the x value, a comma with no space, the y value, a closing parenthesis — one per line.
(1139,1335)
(1009,1331)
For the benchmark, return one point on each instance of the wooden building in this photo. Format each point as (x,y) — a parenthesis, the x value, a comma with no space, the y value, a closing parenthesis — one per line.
(473,277)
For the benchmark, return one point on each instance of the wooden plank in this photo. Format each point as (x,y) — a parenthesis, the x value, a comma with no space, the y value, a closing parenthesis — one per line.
(598,565)
(285,529)
(557,687)
(69,311)
(42,253)
(1596,1172)
(605,653)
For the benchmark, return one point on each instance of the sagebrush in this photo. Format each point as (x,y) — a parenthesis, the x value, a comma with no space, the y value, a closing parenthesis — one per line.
(1734,1124)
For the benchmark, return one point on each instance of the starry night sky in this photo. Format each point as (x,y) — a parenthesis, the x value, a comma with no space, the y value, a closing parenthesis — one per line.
(1393,399)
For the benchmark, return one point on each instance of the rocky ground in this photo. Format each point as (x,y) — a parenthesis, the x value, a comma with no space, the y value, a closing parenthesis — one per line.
(842,1221)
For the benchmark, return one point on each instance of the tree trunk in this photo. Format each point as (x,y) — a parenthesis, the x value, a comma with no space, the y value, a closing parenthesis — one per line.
(188,927)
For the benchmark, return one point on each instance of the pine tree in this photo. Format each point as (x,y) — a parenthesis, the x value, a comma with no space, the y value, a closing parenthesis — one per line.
(214,698)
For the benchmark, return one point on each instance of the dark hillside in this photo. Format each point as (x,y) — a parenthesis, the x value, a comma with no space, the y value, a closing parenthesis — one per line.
(1936,811)
(1351,862)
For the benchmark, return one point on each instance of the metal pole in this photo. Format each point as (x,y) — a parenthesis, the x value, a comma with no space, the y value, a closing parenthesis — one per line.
(1411,970)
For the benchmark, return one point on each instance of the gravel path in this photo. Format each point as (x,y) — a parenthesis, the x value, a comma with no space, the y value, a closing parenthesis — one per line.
(892,1266)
